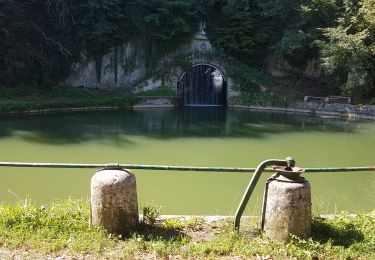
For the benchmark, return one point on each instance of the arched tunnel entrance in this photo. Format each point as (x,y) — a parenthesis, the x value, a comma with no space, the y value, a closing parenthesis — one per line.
(197,88)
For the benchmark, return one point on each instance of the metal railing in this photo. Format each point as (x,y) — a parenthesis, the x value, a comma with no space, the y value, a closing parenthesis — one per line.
(328,99)
(262,167)
(172,168)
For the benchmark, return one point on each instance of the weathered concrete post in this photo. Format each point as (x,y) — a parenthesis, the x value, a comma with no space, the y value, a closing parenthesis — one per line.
(287,206)
(114,203)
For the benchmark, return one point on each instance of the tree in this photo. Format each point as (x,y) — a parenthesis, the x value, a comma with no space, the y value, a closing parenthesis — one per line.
(238,28)
(350,46)
(40,39)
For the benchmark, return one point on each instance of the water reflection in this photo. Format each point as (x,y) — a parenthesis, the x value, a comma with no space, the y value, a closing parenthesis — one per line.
(164,124)
(189,136)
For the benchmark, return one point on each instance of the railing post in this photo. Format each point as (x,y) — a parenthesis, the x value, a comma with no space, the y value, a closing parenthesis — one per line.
(286,205)
(113,203)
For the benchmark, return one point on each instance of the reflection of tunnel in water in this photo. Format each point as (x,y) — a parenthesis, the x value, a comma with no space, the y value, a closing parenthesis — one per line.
(196,87)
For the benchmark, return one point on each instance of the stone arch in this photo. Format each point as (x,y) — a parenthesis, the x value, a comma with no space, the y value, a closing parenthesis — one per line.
(207,64)
(195,86)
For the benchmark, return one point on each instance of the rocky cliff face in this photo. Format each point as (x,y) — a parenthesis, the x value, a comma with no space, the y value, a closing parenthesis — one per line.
(119,68)
(125,66)
(279,66)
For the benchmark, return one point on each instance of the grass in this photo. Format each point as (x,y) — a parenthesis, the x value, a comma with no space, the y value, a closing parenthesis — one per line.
(62,228)
(61,225)
(19,99)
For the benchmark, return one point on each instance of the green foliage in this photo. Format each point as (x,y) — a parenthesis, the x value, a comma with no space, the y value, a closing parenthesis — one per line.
(151,212)
(39,40)
(350,46)
(20,99)
(242,34)
(173,223)
(195,223)
(249,30)
(303,19)
(284,9)
(247,80)
(35,42)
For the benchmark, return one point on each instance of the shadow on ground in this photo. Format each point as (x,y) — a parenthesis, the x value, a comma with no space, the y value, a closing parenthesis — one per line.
(343,234)
(151,232)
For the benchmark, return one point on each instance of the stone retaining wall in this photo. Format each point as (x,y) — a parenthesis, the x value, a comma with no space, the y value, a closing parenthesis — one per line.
(330,109)
(368,110)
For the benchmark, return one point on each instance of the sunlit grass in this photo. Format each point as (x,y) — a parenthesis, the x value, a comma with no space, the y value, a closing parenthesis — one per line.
(62,227)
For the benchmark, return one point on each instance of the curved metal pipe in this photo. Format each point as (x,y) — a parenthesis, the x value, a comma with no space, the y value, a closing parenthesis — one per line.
(289,162)
(265,196)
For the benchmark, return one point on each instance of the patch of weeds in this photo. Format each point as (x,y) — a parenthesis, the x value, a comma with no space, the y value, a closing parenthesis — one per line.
(156,241)
(151,212)
(194,223)
(173,223)
(249,227)
(302,248)
(221,245)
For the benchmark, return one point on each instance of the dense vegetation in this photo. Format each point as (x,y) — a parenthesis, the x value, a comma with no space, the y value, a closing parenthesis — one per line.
(351,47)
(40,39)
(26,99)
(61,229)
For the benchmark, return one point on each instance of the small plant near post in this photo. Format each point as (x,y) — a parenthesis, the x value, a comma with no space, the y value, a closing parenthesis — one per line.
(173,223)
(151,212)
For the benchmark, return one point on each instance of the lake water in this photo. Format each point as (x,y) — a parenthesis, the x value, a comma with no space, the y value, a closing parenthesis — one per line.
(188,136)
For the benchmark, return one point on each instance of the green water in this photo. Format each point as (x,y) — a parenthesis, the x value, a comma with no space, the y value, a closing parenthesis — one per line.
(190,136)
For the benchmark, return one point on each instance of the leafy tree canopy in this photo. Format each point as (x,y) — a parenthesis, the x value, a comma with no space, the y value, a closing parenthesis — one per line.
(40,39)
(350,46)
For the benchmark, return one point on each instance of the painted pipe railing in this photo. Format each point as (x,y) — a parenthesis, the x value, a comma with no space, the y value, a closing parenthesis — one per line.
(173,168)
(288,162)
(128,166)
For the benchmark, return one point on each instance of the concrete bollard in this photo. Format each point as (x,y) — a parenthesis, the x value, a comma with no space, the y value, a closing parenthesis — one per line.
(114,203)
(287,209)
